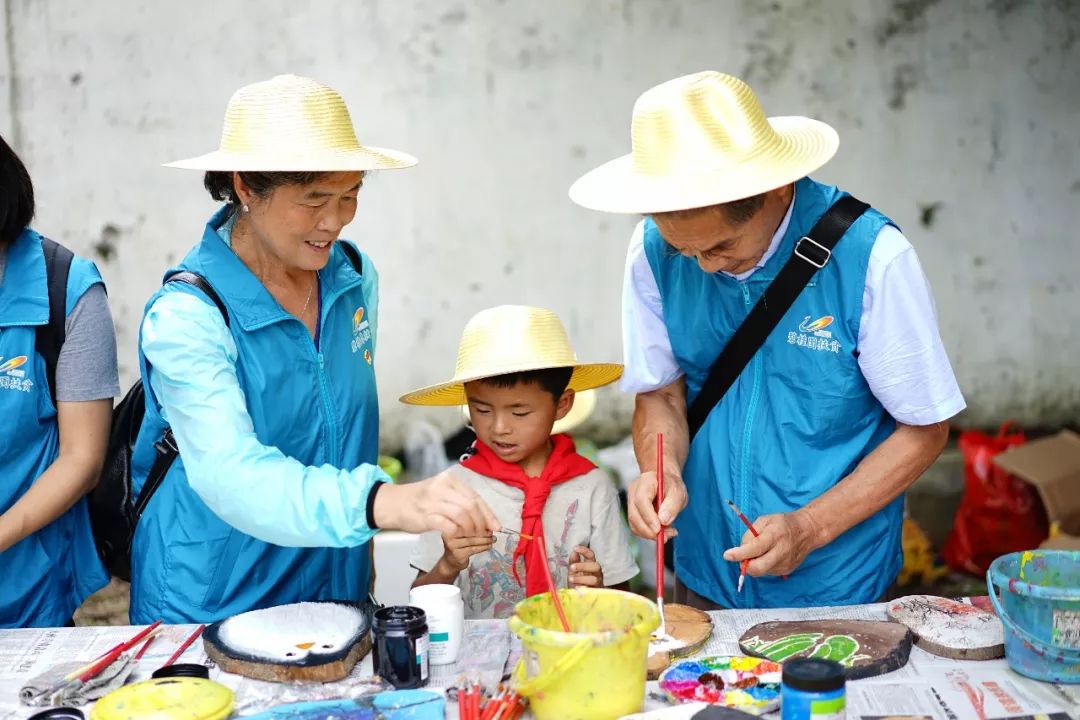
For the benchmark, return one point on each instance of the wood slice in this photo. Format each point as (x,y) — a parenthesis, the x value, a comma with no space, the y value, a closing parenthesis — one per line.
(691,627)
(865,648)
(303,642)
(950,628)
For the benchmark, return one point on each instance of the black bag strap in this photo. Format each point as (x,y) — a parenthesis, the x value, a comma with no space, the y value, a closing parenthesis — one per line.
(49,338)
(812,252)
(166,448)
(354,256)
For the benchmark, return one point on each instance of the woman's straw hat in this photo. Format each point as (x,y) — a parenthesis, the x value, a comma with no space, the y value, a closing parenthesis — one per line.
(291,123)
(510,339)
(702,140)
(584,404)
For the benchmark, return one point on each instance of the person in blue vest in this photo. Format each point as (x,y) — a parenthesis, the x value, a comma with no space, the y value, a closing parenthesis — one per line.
(276,490)
(840,410)
(55,432)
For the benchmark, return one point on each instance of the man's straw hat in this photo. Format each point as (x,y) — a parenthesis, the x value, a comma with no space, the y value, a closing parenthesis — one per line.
(291,123)
(510,339)
(584,404)
(702,140)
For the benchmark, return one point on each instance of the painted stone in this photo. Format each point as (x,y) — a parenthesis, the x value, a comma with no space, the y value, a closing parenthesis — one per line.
(865,648)
(950,628)
(302,642)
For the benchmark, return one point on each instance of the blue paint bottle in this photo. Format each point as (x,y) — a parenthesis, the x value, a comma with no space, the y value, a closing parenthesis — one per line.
(812,690)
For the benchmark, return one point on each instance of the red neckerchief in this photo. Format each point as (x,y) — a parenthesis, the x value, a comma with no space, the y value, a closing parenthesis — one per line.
(564,464)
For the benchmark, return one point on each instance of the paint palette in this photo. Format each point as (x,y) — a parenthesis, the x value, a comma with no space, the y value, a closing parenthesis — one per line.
(745,683)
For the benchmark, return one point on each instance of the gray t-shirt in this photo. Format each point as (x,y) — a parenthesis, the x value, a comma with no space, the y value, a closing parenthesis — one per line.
(583,511)
(86,368)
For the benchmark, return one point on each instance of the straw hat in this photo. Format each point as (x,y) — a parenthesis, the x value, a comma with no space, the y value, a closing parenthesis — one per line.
(509,339)
(584,404)
(291,123)
(702,140)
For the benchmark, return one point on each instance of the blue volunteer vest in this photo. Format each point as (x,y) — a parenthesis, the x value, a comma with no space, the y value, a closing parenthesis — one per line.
(799,418)
(47,575)
(318,406)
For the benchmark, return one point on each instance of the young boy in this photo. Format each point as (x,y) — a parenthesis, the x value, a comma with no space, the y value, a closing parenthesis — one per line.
(518,374)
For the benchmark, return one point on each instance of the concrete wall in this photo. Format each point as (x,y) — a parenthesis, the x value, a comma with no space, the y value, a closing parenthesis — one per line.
(957,118)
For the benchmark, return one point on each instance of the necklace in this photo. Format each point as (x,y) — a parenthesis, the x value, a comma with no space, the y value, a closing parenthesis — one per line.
(310,287)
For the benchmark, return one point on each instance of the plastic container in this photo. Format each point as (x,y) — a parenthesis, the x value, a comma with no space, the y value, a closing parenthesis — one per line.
(400,648)
(166,699)
(597,671)
(812,690)
(1040,609)
(445,612)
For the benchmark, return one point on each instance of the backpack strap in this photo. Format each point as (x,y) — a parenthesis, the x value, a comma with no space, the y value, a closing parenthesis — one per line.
(354,256)
(166,448)
(812,252)
(49,338)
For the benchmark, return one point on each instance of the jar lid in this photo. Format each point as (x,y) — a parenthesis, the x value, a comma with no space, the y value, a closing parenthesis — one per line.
(813,675)
(400,618)
(166,699)
(59,713)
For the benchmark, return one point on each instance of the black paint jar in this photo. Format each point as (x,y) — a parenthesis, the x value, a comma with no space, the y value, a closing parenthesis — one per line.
(400,646)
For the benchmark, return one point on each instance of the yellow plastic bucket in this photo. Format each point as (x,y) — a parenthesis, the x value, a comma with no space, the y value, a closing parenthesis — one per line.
(598,670)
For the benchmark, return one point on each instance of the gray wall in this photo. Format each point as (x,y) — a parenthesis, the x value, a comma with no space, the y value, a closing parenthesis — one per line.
(959,119)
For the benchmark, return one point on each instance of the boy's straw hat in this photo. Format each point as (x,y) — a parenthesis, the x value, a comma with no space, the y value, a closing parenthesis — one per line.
(291,123)
(584,404)
(509,339)
(702,140)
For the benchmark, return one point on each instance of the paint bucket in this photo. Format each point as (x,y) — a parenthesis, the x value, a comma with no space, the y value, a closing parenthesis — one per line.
(1040,608)
(597,671)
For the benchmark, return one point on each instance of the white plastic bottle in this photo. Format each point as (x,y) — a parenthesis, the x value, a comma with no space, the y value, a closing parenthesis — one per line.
(446,620)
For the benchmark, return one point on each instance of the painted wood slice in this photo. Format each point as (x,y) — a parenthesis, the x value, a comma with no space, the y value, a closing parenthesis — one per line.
(865,648)
(950,628)
(303,642)
(688,629)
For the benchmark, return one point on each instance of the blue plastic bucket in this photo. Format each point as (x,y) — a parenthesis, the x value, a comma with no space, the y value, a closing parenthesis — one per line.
(1040,608)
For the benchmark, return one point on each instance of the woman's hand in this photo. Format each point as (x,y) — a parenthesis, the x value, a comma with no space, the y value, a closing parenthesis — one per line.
(439,503)
(586,572)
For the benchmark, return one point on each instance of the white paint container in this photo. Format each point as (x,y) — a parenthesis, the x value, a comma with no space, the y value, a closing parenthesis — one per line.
(446,619)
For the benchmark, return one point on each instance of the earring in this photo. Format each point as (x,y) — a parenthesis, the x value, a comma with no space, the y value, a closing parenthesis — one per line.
(245,208)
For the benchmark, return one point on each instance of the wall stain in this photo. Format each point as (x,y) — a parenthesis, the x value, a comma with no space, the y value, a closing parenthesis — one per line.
(928,214)
(905,79)
(907,17)
(105,247)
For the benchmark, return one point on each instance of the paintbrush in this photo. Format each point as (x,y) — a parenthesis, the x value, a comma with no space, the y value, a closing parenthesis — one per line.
(184,646)
(662,630)
(508,531)
(753,531)
(551,583)
(88,672)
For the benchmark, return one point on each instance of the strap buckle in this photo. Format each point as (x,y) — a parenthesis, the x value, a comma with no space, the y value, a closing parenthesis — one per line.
(813,252)
(167,443)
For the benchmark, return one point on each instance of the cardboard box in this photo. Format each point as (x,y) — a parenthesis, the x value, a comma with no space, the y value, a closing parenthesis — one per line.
(1052,466)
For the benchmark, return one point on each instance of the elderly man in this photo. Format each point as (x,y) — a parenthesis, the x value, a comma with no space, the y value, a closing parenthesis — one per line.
(833,395)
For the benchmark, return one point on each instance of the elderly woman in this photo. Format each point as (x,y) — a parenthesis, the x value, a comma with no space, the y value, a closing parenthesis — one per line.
(57,381)
(271,398)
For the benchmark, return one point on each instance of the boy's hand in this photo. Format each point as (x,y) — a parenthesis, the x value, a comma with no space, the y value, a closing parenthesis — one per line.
(458,550)
(586,572)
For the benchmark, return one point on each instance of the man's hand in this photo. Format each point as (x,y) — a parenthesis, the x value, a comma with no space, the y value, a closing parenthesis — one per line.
(439,503)
(782,544)
(641,503)
(586,572)
(457,549)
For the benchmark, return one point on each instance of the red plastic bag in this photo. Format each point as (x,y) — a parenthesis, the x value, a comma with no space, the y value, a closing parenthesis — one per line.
(999,513)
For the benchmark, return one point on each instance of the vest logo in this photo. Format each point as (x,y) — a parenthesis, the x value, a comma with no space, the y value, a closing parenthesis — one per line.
(813,335)
(11,377)
(361,333)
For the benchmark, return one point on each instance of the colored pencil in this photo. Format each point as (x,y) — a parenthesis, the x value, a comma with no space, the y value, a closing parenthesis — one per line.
(662,630)
(184,646)
(540,545)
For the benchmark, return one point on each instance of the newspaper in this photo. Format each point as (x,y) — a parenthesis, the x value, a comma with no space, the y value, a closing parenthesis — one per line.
(928,686)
